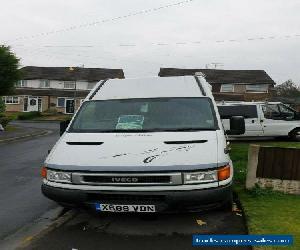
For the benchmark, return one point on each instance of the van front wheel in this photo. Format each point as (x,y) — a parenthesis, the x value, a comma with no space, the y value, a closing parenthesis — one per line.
(227,205)
(295,135)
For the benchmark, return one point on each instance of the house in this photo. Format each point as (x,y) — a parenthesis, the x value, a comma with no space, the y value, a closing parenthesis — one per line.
(231,85)
(61,89)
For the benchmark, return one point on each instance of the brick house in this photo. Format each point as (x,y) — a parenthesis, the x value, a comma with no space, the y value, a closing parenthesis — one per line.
(55,88)
(232,85)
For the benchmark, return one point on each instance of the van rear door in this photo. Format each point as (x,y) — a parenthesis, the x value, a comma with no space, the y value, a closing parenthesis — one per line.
(249,112)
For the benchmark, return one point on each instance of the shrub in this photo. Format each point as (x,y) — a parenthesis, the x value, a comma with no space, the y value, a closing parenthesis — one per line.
(29,115)
(51,111)
(2,105)
(4,121)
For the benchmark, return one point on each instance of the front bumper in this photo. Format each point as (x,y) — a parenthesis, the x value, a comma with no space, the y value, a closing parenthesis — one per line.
(191,200)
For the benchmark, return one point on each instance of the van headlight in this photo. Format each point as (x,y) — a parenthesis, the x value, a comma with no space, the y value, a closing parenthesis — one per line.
(220,174)
(200,177)
(59,176)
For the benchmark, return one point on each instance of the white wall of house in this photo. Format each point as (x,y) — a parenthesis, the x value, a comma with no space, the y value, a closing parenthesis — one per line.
(54,84)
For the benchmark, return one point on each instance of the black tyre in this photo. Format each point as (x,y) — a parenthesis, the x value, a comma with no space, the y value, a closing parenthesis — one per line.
(295,135)
(227,205)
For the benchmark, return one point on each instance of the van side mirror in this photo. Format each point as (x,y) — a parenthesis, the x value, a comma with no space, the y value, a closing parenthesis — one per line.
(63,126)
(237,126)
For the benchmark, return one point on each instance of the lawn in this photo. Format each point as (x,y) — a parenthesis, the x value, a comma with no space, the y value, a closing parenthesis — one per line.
(267,212)
(10,128)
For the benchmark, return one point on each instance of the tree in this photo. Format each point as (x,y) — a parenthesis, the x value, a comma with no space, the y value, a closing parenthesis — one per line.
(287,89)
(9,72)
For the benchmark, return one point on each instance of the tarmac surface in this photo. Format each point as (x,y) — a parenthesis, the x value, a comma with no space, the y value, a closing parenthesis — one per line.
(21,200)
(89,231)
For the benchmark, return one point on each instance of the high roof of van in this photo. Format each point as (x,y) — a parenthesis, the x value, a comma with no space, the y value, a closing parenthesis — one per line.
(150,87)
(228,103)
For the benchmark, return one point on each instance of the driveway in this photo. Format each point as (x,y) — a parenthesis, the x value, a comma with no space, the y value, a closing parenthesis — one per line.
(90,231)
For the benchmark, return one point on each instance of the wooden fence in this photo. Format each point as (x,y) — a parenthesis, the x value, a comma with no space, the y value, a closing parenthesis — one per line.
(279,163)
(274,167)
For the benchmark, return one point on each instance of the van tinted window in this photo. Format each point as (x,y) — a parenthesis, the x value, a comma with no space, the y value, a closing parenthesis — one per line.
(247,111)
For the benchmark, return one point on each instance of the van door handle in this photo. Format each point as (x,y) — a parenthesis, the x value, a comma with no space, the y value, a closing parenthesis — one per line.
(253,121)
(261,121)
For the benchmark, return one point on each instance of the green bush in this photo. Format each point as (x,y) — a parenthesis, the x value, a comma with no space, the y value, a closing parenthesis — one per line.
(50,111)
(4,121)
(2,105)
(29,115)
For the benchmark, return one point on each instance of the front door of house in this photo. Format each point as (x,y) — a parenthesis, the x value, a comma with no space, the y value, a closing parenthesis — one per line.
(70,106)
(33,104)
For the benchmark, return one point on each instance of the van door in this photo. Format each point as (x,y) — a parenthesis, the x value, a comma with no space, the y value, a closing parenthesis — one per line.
(278,119)
(249,112)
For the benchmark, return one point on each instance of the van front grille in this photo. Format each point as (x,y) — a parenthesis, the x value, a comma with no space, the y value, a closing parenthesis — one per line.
(134,179)
(130,179)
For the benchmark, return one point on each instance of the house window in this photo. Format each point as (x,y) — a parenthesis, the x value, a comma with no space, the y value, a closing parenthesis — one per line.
(11,100)
(227,88)
(21,84)
(69,85)
(257,88)
(44,84)
(61,102)
(91,85)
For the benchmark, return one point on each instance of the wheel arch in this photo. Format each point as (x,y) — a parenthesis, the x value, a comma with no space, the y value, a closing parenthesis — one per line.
(293,131)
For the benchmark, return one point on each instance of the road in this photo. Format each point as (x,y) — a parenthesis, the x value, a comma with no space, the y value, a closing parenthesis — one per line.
(21,201)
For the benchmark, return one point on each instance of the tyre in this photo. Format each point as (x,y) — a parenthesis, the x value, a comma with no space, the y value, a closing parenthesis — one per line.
(227,205)
(295,135)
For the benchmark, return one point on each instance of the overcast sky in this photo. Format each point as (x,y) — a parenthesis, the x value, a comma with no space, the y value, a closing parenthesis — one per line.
(240,34)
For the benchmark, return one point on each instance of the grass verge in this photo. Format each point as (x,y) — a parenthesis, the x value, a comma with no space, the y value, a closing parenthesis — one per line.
(10,128)
(267,212)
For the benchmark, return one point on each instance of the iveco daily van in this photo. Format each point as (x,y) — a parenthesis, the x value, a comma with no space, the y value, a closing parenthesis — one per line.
(143,145)
(272,119)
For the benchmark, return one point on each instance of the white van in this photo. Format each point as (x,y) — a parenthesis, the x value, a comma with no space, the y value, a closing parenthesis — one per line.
(271,119)
(143,145)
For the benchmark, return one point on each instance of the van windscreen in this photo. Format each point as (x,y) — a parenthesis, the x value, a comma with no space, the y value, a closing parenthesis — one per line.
(145,115)
(247,111)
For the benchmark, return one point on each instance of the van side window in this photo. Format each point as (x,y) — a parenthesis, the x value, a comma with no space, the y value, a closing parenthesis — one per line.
(278,112)
(286,112)
(271,111)
(247,111)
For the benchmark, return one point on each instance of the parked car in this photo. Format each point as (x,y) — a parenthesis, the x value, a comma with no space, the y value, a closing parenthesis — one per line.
(271,119)
(143,145)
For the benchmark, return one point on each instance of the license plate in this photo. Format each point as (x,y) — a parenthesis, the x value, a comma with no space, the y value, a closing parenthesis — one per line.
(125,208)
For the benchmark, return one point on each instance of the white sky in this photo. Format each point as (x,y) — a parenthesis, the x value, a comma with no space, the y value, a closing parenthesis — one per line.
(198,23)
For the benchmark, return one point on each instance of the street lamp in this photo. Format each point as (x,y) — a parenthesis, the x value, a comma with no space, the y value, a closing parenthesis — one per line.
(74,103)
